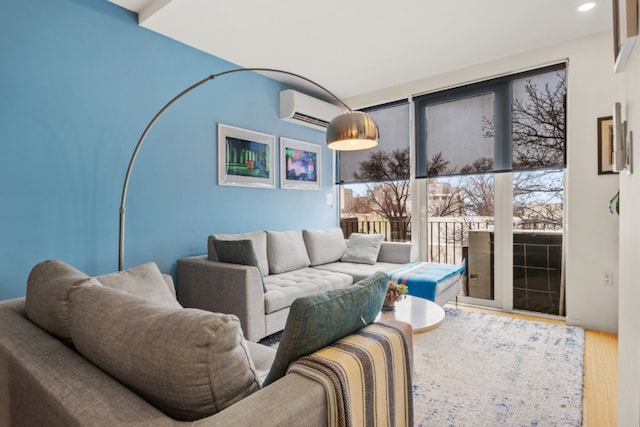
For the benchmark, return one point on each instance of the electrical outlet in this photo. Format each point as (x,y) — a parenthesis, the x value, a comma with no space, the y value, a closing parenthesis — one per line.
(607,279)
(328,199)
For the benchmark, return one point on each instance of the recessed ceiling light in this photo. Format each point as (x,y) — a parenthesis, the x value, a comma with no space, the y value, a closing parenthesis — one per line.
(587,6)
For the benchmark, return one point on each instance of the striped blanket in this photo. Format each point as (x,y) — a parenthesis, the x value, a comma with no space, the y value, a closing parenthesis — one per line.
(367,378)
(422,278)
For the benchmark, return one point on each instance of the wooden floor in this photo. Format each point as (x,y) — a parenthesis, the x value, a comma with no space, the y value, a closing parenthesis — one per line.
(600,390)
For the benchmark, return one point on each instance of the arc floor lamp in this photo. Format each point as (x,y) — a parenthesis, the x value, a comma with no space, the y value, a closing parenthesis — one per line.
(352,130)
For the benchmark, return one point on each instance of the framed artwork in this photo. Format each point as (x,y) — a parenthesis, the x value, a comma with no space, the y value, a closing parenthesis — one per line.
(625,31)
(245,158)
(605,145)
(300,165)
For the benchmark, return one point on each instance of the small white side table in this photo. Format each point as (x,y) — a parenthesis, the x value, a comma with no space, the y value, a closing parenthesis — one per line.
(423,315)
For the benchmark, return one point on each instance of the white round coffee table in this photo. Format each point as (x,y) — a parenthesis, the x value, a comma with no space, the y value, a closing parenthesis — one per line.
(423,315)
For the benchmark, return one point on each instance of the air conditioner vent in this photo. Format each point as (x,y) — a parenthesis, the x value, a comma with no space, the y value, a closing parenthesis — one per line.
(308,119)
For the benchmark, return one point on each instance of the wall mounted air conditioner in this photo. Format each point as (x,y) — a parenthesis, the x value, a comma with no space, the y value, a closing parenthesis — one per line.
(305,110)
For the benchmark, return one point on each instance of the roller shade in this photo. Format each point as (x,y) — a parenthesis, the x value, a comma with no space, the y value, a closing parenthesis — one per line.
(512,123)
(393,121)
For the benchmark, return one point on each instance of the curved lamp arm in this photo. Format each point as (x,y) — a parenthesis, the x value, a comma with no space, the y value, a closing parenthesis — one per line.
(337,134)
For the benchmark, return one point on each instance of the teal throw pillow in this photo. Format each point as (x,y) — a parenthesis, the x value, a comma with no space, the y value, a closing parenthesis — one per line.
(237,252)
(318,320)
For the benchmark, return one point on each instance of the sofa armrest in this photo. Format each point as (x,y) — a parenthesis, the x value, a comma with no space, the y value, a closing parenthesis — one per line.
(408,333)
(224,288)
(395,252)
(293,400)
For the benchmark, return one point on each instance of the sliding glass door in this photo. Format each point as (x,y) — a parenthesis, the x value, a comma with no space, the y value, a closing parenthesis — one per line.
(490,159)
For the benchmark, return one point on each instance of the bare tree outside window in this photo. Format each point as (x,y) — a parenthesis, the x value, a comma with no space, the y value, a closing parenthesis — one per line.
(388,188)
(538,124)
(437,165)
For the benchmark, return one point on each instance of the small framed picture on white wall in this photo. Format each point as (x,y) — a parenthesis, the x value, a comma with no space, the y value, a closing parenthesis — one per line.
(605,145)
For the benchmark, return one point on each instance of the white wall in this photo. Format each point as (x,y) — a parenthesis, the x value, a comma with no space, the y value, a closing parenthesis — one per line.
(629,321)
(591,238)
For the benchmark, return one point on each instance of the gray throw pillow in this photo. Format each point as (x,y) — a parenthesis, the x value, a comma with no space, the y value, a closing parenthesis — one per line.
(144,280)
(237,252)
(363,248)
(324,246)
(188,363)
(47,299)
(286,251)
(321,319)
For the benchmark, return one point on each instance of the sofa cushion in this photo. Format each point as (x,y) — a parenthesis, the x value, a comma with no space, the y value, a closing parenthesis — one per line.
(47,298)
(324,246)
(144,280)
(284,288)
(188,363)
(237,252)
(363,248)
(259,240)
(319,320)
(358,270)
(286,251)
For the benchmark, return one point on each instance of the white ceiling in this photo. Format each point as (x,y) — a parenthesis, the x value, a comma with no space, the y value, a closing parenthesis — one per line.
(359,46)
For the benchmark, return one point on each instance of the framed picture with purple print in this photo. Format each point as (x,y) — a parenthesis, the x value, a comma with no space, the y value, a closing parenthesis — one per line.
(300,165)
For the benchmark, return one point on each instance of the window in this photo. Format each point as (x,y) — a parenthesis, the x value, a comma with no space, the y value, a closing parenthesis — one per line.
(374,184)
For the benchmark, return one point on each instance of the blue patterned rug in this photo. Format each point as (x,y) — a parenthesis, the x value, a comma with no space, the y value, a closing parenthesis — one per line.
(484,370)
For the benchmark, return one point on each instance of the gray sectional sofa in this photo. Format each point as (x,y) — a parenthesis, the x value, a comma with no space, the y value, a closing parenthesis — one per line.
(118,349)
(286,265)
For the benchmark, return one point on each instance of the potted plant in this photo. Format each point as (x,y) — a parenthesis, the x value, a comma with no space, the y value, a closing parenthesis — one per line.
(395,292)
(614,203)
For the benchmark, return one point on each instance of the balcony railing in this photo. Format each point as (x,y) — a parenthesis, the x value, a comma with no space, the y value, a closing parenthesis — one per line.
(393,231)
(447,236)
(447,239)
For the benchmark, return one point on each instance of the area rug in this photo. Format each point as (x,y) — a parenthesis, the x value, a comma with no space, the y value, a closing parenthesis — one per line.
(486,370)
(479,370)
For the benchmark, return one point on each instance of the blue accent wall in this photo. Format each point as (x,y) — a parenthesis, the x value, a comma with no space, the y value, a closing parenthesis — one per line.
(79,81)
